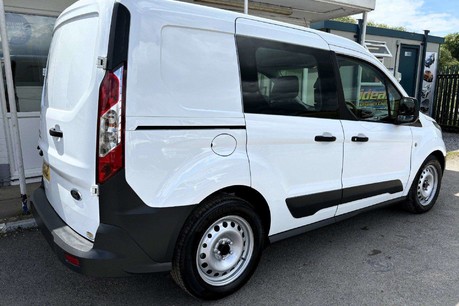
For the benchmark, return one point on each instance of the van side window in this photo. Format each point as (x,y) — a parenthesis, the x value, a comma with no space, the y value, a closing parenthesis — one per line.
(367,92)
(284,79)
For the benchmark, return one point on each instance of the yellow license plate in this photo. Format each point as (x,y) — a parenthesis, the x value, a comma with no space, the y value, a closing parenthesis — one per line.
(45,171)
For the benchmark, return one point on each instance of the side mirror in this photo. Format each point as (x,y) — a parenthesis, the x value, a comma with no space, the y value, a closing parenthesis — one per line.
(408,111)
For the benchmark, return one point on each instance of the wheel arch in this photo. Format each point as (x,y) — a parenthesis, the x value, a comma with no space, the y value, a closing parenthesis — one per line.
(441,158)
(417,201)
(419,159)
(252,196)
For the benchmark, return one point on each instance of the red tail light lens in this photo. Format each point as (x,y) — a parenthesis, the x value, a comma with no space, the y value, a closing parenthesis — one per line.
(110,155)
(72,260)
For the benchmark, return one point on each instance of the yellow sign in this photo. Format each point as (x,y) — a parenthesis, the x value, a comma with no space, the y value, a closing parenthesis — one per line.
(372,95)
(46,172)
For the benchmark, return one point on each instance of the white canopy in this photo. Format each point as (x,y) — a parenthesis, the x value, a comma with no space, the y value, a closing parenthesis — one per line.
(301,12)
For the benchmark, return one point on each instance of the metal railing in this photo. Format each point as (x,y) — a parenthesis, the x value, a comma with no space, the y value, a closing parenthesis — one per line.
(446,105)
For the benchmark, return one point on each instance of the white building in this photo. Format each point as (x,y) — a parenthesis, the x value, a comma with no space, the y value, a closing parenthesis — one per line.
(30,25)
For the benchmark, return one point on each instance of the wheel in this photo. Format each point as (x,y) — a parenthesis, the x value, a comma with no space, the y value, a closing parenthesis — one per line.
(426,187)
(219,248)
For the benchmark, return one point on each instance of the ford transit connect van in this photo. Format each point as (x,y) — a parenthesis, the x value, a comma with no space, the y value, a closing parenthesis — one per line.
(185,138)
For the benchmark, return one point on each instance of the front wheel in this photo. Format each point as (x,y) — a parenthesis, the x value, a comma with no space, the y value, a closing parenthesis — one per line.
(219,248)
(426,187)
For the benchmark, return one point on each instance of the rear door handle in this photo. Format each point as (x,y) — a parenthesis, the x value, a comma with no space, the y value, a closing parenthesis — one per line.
(324,138)
(53,132)
(359,139)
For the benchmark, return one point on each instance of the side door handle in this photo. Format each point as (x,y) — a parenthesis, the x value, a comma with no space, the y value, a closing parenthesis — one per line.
(325,138)
(55,133)
(359,138)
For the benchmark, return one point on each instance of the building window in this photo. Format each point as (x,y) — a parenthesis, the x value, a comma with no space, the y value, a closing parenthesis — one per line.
(29,40)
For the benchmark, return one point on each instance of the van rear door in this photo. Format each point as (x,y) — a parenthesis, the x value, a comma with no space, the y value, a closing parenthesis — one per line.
(68,129)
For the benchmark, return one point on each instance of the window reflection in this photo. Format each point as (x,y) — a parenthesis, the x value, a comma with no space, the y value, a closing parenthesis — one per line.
(29,40)
(368,94)
(288,80)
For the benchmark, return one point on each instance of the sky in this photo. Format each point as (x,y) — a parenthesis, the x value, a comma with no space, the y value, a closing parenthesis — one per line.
(441,17)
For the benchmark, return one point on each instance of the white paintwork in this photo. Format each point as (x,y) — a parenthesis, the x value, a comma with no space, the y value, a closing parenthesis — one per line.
(181,52)
(224,144)
(425,141)
(267,29)
(70,105)
(178,167)
(286,162)
(301,11)
(183,73)
(385,157)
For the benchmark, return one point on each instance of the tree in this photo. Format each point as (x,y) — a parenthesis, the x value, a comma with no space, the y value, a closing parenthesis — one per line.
(385,26)
(349,19)
(447,61)
(452,44)
(346,19)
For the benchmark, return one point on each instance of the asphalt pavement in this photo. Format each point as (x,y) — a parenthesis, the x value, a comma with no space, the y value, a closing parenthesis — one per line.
(382,257)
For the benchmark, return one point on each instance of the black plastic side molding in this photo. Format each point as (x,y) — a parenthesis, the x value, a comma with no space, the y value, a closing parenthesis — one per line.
(308,205)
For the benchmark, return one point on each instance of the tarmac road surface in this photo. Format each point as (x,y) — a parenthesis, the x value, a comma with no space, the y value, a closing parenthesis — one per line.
(383,257)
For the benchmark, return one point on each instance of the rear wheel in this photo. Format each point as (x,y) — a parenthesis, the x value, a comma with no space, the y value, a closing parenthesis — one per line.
(219,248)
(426,187)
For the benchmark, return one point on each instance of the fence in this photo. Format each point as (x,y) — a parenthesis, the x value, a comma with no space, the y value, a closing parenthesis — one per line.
(446,105)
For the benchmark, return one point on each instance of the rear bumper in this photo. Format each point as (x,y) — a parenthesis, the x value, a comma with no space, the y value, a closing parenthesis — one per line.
(114,252)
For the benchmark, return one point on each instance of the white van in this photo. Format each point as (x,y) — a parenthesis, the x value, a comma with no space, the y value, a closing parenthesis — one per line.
(177,136)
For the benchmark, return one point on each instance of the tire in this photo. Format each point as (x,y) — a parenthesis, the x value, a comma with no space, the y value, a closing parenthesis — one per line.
(426,187)
(218,248)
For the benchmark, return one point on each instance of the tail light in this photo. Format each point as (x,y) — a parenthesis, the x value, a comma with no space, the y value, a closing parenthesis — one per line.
(110,149)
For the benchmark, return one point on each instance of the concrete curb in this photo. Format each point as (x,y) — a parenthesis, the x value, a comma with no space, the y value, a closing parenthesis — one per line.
(13,226)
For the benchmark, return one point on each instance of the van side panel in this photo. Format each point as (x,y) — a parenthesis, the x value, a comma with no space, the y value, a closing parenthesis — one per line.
(181,65)
(185,130)
(428,139)
(179,167)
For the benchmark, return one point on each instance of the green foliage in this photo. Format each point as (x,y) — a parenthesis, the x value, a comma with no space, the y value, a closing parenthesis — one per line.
(447,61)
(452,44)
(346,19)
(449,53)
(349,19)
(385,26)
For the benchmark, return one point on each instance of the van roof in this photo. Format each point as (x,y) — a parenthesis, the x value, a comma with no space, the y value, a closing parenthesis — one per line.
(201,10)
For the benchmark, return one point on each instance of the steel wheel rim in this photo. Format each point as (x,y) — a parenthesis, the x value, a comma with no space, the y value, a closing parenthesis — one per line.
(225,250)
(427,185)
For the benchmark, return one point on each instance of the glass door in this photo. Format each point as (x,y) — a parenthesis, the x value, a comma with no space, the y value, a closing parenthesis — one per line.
(29,39)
